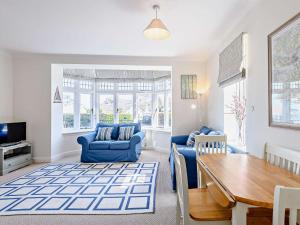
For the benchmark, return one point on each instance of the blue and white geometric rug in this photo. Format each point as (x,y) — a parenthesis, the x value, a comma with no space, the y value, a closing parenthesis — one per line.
(80,188)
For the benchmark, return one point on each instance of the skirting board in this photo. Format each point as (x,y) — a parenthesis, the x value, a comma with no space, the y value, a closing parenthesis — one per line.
(65,154)
(56,157)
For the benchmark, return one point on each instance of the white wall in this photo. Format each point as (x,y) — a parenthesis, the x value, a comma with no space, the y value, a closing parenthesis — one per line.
(6,87)
(267,16)
(33,96)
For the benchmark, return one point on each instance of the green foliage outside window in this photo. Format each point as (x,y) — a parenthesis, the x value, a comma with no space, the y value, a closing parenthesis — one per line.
(85,120)
(68,119)
(125,118)
(106,118)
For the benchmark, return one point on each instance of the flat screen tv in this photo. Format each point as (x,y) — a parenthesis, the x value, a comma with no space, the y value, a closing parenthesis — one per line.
(12,132)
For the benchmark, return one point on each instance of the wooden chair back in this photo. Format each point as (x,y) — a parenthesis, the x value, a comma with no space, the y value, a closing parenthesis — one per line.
(283,157)
(181,184)
(285,198)
(208,144)
(219,194)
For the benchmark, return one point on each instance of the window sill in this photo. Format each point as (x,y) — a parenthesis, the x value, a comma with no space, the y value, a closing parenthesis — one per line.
(77,131)
(166,130)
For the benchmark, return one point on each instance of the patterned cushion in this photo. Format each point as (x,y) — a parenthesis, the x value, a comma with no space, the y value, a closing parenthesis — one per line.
(191,140)
(104,133)
(205,130)
(126,133)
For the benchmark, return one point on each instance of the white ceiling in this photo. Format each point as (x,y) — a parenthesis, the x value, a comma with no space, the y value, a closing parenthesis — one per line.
(115,27)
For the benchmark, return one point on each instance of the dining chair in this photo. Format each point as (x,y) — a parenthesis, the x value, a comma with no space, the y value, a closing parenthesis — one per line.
(285,198)
(283,157)
(197,206)
(209,144)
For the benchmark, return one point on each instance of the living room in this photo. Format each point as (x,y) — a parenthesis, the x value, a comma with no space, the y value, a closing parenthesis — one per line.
(74,72)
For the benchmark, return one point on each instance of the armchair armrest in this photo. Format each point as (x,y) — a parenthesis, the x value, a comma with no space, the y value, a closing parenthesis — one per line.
(85,140)
(137,138)
(179,139)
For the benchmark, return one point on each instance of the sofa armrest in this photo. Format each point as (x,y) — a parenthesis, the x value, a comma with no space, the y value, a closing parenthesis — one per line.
(137,138)
(85,140)
(180,139)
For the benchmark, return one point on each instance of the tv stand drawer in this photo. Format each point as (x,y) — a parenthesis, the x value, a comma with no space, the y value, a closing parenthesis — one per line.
(16,162)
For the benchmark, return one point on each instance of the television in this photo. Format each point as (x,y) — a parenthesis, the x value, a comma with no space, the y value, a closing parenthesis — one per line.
(11,133)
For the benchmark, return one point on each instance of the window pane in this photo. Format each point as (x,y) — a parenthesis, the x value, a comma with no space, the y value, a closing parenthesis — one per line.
(234,113)
(125,86)
(85,111)
(106,108)
(168,84)
(68,109)
(144,86)
(144,108)
(68,82)
(169,109)
(86,84)
(105,86)
(160,103)
(159,85)
(125,108)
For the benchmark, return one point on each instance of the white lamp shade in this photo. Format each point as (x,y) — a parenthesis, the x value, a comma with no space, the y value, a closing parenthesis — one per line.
(156,30)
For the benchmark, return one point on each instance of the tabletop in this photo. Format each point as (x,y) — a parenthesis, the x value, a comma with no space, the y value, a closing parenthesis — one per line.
(247,178)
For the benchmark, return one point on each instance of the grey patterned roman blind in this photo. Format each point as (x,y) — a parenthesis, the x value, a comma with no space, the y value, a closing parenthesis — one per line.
(116,75)
(232,62)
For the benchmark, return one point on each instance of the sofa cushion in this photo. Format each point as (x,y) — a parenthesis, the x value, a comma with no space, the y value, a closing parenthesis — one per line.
(100,145)
(205,130)
(115,132)
(137,126)
(214,132)
(191,140)
(125,133)
(119,145)
(104,133)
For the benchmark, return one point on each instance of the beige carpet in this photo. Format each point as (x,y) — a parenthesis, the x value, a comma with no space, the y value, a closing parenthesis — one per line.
(164,210)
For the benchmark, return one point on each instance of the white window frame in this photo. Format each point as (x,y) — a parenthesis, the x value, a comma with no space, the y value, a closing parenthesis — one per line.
(95,92)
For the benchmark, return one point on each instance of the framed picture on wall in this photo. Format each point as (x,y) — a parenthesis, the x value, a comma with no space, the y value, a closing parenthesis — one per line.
(284,75)
(188,86)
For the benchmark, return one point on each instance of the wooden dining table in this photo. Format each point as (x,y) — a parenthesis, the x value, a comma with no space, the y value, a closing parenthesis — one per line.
(250,181)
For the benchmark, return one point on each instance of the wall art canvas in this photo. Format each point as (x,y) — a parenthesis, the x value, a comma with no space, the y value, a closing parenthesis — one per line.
(188,86)
(284,75)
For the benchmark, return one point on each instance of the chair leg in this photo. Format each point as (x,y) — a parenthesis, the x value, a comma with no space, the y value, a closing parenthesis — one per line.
(178,213)
(293,217)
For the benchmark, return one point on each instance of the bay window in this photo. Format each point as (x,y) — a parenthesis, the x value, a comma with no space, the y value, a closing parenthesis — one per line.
(88,101)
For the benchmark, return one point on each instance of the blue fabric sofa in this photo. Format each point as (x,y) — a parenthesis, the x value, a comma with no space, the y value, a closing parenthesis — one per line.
(189,154)
(112,150)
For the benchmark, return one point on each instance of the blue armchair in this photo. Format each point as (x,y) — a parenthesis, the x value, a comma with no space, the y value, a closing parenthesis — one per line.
(112,150)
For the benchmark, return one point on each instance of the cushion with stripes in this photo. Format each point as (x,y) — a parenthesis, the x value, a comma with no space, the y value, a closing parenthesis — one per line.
(126,133)
(191,140)
(104,133)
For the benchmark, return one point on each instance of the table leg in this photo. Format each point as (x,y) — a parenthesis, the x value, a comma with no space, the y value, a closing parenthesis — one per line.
(239,214)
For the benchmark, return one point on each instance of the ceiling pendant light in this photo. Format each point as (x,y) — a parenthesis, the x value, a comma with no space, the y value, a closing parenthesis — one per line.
(156,30)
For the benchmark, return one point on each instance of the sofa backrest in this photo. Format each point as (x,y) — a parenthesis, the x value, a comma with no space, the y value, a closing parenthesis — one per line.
(115,132)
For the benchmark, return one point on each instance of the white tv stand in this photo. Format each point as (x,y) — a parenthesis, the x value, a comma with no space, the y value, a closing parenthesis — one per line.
(15,156)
